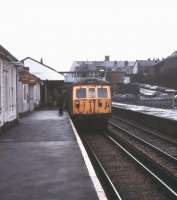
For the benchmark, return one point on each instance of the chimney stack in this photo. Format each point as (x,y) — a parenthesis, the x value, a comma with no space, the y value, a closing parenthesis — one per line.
(106,58)
(26,69)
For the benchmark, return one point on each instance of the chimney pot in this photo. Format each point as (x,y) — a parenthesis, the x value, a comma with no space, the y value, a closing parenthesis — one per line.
(106,58)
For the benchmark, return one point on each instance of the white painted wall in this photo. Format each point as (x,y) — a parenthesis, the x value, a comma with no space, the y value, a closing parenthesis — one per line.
(23,97)
(37,95)
(8,92)
(28,97)
(1,115)
(20,96)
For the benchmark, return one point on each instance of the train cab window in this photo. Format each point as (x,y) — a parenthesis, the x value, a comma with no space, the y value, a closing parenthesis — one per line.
(91,93)
(102,92)
(81,93)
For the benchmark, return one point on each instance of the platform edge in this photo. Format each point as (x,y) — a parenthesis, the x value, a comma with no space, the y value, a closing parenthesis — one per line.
(96,183)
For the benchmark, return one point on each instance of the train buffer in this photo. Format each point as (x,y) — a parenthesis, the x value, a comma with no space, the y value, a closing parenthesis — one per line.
(40,159)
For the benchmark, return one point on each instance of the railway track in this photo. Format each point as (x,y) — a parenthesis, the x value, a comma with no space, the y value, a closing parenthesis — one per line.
(154,148)
(149,132)
(125,175)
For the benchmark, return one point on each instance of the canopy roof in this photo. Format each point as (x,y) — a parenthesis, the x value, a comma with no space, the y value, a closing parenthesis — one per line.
(41,71)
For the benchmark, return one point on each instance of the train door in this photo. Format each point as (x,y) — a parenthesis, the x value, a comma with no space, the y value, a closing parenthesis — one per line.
(103,99)
(79,100)
(92,98)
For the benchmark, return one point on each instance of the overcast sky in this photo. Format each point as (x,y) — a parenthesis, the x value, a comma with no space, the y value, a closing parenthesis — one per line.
(62,31)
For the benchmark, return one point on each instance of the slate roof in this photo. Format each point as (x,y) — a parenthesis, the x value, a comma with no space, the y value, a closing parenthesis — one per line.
(174,54)
(92,65)
(42,71)
(27,78)
(146,63)
(7,54)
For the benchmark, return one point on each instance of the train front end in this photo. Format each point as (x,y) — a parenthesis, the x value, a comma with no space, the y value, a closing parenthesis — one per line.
(92,104)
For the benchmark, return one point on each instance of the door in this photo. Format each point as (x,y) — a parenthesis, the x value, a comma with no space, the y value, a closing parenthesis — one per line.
(31,98)
(6,96)
(1,120)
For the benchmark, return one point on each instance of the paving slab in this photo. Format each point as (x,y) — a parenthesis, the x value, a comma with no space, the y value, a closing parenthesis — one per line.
(40,160)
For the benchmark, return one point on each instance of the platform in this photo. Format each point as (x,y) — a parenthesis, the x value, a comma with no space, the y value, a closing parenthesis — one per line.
(40,160)
(170,114)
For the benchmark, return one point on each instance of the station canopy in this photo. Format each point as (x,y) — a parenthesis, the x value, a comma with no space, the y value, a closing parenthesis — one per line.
(42,72)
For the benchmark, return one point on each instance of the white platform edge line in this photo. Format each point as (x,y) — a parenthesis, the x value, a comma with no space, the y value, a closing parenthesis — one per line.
(97,185)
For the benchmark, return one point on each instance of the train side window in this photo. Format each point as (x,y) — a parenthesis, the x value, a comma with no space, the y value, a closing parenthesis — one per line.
(81,93)
(102,92)
(91,93)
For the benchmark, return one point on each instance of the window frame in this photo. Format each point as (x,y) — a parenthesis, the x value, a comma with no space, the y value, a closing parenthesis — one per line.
(88,93)
(81,88)
(104,88)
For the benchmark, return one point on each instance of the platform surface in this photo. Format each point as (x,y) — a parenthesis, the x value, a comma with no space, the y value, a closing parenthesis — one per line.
(40,160)
(159,112)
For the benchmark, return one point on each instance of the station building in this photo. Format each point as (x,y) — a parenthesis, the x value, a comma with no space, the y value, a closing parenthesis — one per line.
(28,91)
(8,88)
(20,90)
(52,81)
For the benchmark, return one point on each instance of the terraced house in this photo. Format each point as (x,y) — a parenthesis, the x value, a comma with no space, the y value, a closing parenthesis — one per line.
(8,88)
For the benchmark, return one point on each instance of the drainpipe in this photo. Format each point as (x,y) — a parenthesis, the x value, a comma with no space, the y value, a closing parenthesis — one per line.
(46,92)
(17,66)
(17,78)
(173,102)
